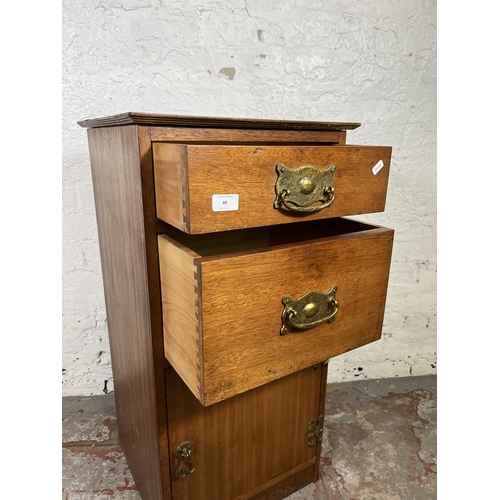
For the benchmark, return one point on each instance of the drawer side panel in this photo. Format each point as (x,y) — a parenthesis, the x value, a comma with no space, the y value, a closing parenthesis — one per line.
(180,290)
(170,167)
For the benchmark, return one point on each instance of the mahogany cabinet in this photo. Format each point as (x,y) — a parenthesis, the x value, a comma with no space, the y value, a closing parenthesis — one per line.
(231,277)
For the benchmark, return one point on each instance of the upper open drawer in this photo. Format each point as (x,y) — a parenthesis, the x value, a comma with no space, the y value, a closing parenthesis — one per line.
(211,188)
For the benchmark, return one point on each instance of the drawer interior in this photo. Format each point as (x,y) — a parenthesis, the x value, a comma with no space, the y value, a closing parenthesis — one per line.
(264,237)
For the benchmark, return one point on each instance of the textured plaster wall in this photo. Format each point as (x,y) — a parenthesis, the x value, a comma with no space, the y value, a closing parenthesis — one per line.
(370,61)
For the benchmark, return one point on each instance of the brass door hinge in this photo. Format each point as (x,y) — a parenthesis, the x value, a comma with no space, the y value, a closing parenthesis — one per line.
(315,430)
(325,363)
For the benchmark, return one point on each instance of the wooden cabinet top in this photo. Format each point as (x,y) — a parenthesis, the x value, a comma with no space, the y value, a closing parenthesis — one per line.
(131,118)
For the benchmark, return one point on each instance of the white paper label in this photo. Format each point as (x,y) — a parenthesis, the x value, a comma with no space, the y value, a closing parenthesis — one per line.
(378,167)
(225,202)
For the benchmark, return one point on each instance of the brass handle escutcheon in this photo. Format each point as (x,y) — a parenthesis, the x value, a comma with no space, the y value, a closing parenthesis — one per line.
(183,453)
(312,309)
(299,188)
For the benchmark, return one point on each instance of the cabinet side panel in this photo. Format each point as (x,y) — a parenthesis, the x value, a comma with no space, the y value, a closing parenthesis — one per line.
(116,175)
(321,411)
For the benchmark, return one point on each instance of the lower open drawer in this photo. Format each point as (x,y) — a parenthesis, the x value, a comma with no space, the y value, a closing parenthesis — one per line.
(243,308)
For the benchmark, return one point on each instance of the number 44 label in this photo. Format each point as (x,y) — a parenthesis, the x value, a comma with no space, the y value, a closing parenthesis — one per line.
(225,202)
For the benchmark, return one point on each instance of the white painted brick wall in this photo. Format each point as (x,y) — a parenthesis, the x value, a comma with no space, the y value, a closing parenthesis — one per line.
(370,61)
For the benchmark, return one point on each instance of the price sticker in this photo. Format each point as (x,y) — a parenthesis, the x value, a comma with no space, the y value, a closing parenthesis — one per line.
(225,202)
(378,167)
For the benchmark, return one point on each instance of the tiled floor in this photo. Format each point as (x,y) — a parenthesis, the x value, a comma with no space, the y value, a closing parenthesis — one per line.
(379,443)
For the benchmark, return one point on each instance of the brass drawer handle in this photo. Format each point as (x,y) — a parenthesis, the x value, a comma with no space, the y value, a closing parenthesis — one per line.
(312,309)
(297,189)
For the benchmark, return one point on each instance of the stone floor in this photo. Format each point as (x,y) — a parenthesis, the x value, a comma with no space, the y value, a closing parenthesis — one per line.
(379,443)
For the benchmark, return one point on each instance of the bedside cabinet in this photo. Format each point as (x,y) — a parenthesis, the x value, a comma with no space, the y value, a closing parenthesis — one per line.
(230,279)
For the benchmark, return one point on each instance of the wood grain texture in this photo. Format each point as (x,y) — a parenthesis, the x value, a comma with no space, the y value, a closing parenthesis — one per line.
(242,136)
(246,441)
(250,172)
(116,156)
(181,316)
(242,306)
(286,484)
(219,122)
(250,315)
(268,489)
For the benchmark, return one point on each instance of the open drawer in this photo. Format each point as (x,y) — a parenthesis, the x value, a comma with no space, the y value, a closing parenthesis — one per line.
(211,188)
(243,308)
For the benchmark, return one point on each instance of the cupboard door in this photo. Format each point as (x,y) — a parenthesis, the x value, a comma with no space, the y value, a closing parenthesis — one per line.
(248,443)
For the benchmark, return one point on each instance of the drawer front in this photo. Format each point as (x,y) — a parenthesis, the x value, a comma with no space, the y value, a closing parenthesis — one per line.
(226,326)
(340,181)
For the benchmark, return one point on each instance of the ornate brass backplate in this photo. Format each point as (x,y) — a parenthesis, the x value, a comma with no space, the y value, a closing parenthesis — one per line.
(299,188)
(310,310)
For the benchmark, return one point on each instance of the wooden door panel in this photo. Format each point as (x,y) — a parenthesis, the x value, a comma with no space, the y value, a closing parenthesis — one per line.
(244,441)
